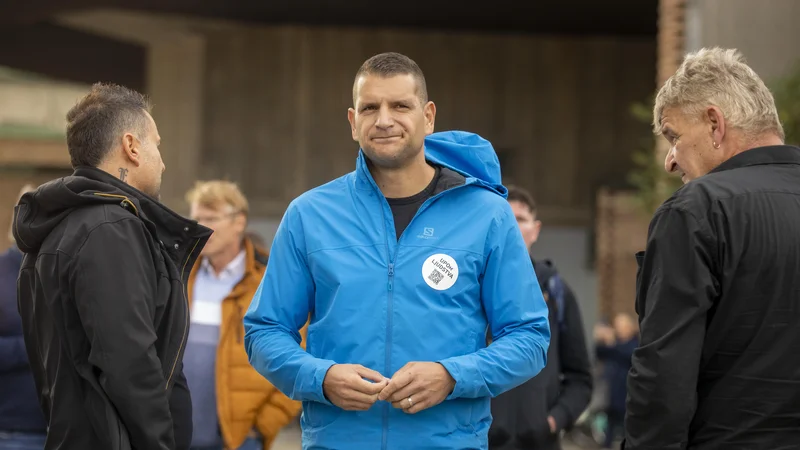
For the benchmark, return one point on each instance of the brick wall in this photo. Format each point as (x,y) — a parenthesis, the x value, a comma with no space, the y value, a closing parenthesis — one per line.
(671,44)
(622,231)
(671,21)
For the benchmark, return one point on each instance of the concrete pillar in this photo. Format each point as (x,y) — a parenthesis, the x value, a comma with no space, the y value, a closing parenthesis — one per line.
(765,31)
(176,49)
(175,85)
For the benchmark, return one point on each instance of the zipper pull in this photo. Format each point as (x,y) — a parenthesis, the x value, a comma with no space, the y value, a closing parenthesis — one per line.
(391,275)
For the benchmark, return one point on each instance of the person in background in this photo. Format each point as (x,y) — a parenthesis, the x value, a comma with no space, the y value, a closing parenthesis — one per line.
(533,415)
(233,406)
(22,424)
(614,346)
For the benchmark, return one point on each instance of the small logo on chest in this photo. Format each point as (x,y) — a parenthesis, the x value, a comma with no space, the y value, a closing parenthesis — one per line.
(427,233)
(440,271)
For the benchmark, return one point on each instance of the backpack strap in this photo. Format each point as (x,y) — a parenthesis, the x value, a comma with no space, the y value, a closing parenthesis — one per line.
(555,289)
(553,286)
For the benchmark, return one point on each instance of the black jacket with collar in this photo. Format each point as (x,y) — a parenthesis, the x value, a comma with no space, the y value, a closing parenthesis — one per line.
(718,298)
(105,318)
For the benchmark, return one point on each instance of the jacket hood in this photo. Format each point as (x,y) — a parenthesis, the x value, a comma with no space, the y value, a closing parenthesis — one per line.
(41,211)
(468,154)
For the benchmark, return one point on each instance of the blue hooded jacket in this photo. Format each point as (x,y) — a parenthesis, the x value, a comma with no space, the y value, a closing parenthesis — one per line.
(459,267)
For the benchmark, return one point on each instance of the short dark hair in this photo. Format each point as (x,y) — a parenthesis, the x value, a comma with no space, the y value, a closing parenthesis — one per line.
(93,124)
(518,194)
(391,64)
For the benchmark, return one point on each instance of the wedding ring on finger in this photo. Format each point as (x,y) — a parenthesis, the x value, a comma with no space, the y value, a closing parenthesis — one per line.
(410,402)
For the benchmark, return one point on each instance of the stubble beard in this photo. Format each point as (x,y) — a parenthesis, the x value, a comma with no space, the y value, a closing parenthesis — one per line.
(396,160)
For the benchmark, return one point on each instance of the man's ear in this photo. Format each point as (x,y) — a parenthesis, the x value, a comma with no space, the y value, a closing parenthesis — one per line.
(429,111)
(716,120)
(351,117)
(131,148)
(241,222)
(537,228)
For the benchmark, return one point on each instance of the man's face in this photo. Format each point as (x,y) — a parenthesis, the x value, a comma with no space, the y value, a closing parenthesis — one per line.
(692,153)
(228,226)
(528,225)
(152,165)
(388,120)
(624,327)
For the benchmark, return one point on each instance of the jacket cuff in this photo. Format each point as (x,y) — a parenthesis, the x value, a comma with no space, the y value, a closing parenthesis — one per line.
(561,417)
(311,387)
(460,374)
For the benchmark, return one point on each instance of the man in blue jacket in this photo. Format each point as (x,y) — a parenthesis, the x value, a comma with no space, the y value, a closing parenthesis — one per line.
(402,265)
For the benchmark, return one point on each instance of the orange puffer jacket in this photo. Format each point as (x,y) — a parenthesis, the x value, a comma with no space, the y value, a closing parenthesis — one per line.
(245,399)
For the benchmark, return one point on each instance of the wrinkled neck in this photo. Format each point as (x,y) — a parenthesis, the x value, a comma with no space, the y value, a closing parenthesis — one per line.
(764,140)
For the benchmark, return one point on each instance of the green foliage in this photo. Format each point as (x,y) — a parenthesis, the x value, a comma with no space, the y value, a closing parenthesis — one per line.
(786,91)
(652,183)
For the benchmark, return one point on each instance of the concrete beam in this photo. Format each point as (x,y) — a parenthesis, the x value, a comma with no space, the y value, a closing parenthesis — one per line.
(175,68)
(72,55)
(32,153)
(140,27)
(175,78)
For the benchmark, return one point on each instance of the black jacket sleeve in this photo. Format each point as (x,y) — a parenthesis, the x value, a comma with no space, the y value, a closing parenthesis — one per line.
(114,285)
(576,383)
(675,290)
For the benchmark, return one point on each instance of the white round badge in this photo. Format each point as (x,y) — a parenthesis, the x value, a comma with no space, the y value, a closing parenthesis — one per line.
(440,271)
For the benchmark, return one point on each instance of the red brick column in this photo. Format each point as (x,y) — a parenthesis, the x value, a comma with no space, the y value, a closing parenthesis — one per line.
(671,44)
(621,228)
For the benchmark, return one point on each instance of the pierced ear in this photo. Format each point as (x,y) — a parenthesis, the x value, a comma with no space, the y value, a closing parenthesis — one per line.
(718,126)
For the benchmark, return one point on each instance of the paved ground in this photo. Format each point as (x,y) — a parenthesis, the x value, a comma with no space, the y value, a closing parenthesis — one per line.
(289,439)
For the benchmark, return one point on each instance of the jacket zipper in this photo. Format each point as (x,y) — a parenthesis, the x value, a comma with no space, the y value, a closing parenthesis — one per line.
(390,288)
(186,316)
(126,200)
(388,357)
